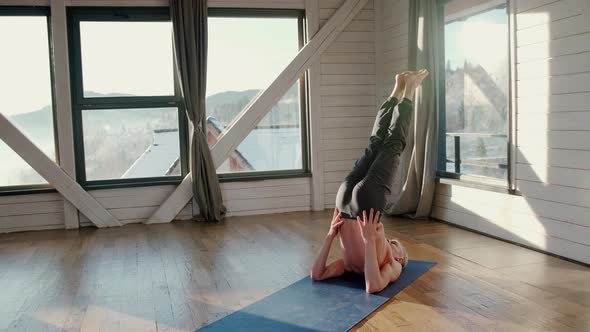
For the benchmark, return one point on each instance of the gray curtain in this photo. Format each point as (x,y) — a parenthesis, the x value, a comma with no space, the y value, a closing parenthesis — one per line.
(413,186)
(189,21)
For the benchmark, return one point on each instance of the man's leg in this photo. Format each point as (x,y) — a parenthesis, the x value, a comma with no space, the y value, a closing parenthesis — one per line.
(372,191)
(379,134)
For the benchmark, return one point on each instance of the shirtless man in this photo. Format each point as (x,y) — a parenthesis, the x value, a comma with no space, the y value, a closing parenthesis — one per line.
(363,195)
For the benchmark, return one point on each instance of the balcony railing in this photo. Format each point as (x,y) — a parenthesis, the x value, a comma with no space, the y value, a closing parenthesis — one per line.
(481,162)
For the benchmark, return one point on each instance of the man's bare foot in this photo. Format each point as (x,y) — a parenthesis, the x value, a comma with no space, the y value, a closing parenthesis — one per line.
(413,81)
(400,85)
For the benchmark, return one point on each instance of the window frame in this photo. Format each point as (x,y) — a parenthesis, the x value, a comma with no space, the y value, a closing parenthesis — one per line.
(503,185)
(16,11)
(81,104)
(305,170)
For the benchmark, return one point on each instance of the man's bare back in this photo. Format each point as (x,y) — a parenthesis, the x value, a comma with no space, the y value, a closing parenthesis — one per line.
(364,250)
(353,246)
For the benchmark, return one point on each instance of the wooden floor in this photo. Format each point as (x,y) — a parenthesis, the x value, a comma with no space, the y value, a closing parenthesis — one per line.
(180,276)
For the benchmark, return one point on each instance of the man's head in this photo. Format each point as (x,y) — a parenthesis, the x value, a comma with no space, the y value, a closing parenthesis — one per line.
(400,253)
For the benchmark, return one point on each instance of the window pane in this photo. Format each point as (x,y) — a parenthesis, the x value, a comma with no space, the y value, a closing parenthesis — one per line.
(477,69)
(274,144)
(245,56)
(127,58)
(131,143)
(25,82)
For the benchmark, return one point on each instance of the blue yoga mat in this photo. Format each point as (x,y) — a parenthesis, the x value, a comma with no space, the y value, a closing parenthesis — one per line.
(330,305)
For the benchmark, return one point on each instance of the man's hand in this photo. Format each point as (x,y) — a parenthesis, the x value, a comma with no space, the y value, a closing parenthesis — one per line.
(369,225)
(336,222)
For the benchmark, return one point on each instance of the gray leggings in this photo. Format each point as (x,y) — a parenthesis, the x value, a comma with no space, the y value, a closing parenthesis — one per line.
(367,185)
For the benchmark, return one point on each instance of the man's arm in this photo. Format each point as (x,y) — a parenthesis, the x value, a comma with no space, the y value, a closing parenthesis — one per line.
(319,270)
(375,279)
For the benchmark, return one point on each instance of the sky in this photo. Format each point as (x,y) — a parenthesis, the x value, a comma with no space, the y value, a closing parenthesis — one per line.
(479,39)
(25,80)
(136,57)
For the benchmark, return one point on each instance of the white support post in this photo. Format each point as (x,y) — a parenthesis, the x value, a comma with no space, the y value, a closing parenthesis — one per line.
(312,11)
(261,105)
(51,172)
(63,102)
(378,53)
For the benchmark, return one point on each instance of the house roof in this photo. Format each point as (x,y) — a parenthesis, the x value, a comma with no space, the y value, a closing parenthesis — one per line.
(264,149)
(160,158)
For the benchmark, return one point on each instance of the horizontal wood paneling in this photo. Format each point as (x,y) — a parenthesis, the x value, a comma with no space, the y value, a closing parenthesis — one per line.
(50,197)
(349,122)
(357,25)
(348,90)
(347,69)
(344,144)
(348,101)
(509,218)
(548,86)
(532,122)
(578,178)
(546,14)
(267,196)
(570,26)
(365,58)
(353,132)
(364,15)
(15,209)
(15,223)
(335,4)
(349,111)
(574,140)
(555,193)
(278,190)
(344,154)
(336,176)
(340,79)
(351,47)
(339,165)
(554,157)
(528,205)
(269,203)
(546,243)
(559,65)
(566,102)
(554,48)
(524,5)
(29,212)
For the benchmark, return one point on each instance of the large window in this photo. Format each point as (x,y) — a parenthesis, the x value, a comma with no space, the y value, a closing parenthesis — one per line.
(475,115)
(247,50)
(129,122)
(25,87)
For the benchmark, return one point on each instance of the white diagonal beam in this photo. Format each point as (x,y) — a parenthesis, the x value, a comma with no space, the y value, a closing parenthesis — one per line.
(56,176)
(261,105)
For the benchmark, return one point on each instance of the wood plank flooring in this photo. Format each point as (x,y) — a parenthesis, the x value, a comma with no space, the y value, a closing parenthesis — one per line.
(180,276)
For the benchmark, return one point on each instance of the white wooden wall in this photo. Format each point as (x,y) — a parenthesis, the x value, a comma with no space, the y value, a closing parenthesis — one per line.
(392,51)
(347,97)
(348,90)
(553,139)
